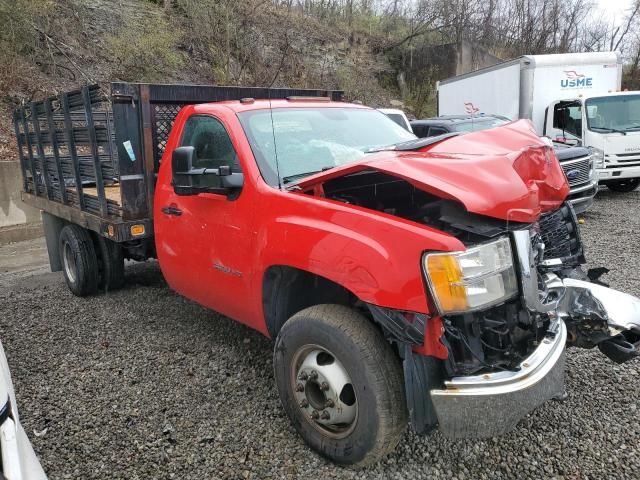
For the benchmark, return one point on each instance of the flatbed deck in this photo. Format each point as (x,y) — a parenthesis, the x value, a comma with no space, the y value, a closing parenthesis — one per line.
(112,192)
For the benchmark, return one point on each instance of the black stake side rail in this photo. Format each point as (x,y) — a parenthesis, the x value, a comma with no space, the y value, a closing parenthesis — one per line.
(86,139)
(65,144)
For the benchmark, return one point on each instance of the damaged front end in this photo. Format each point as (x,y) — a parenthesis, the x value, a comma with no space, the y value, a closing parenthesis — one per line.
(502,309)
(505,361)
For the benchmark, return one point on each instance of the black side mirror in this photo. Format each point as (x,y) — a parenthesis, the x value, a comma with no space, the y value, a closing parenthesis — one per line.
(181,168)
(187,180)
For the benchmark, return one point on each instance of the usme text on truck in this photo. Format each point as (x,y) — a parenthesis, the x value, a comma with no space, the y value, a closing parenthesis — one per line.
(436,281)
(571,97)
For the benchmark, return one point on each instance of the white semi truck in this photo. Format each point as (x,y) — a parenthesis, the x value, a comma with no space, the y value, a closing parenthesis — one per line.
(572,98)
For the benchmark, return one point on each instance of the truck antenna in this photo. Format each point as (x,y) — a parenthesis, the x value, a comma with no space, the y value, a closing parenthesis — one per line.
(275,146)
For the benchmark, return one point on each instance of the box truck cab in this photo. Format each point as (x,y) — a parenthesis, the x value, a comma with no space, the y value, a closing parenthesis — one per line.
(573,98)
(610,125)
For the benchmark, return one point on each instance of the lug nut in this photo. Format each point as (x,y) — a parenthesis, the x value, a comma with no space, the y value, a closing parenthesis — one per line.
(315,415)
(299,388)
(324,386)
(329,403)
(313,375)
(304,403)
(325,415)
(303,376)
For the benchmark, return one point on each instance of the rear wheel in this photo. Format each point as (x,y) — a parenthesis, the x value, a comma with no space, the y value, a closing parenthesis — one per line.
(79,261)
(341,384)
(624,186)
(111,264)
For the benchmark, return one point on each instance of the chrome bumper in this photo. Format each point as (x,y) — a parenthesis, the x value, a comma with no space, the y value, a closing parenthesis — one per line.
(491,404)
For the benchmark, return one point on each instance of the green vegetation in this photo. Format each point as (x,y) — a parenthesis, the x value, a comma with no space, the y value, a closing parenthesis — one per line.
(145,51)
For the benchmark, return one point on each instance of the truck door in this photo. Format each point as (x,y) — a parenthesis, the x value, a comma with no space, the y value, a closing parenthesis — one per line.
(203,240)
(563,122)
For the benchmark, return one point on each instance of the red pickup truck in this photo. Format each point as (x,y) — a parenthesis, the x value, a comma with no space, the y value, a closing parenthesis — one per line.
(434,280)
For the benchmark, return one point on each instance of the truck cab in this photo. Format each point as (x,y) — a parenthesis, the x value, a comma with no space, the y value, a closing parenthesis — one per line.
(610,125)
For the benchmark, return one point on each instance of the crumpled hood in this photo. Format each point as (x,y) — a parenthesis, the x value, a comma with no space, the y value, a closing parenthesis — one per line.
(506,172)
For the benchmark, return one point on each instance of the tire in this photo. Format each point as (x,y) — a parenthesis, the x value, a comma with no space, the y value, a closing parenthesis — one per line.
(348,343)
(111,268)
(78,258)
(624,186)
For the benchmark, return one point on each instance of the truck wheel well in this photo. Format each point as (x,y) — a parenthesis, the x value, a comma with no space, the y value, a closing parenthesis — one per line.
(287,290)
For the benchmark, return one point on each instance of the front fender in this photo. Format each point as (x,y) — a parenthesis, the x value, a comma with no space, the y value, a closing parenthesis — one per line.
(375,256)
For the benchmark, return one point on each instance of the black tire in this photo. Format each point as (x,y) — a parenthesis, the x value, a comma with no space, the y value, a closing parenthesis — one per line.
(79,263)
(375,374)
(111,267)
(624,186)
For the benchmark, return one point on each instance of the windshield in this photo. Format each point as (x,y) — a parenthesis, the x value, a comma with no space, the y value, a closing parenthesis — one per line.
(613,114)
(291,143)
(399,119)
(475,125)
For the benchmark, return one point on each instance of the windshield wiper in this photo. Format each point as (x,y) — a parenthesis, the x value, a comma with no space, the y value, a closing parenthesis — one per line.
(609,130)
(291,178)
(414,144)
(632,127)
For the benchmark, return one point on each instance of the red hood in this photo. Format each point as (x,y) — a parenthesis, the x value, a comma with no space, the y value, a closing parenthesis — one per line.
(506,172)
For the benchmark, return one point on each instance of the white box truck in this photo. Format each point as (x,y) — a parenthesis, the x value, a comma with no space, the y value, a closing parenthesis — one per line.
(572,98)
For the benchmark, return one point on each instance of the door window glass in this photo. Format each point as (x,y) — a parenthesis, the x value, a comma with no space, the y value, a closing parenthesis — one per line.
(568,118)
(211,142)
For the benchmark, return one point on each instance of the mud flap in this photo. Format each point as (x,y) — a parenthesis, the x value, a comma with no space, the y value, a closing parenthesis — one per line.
(421,374)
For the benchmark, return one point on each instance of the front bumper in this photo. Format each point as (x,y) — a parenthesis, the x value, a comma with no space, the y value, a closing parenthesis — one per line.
(618,171)
(491,404)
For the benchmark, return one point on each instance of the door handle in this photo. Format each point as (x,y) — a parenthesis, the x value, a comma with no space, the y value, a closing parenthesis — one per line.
(171,210)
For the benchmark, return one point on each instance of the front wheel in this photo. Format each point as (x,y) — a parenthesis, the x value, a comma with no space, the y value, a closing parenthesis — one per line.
(624,186)
(341,384)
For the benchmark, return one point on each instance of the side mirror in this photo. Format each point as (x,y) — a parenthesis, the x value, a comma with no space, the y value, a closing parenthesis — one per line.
(187,180)
(229,179)
(181,167)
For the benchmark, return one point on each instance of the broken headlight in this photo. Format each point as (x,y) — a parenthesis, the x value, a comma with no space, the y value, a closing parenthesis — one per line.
(477,278)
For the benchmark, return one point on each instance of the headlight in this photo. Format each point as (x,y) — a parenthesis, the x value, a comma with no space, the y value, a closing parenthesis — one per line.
(477,278)
(598,157)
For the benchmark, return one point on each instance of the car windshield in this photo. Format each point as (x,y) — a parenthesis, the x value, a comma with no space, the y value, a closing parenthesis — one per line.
(292,143)
(479,124)
(613,114)
(397,118)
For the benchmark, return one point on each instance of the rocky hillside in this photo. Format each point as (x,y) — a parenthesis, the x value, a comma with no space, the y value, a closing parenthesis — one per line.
(53,45)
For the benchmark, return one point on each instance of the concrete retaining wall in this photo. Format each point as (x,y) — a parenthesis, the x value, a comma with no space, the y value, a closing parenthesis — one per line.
(18,221)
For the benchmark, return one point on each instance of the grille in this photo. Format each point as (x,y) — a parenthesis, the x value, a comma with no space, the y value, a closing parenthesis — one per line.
(559,232)
(577,171)
(165,115)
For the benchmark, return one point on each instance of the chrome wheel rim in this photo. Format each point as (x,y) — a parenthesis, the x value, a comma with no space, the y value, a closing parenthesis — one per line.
(69,262)
(324,392)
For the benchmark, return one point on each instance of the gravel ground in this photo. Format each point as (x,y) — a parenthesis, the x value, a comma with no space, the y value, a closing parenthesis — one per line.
(144,384)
